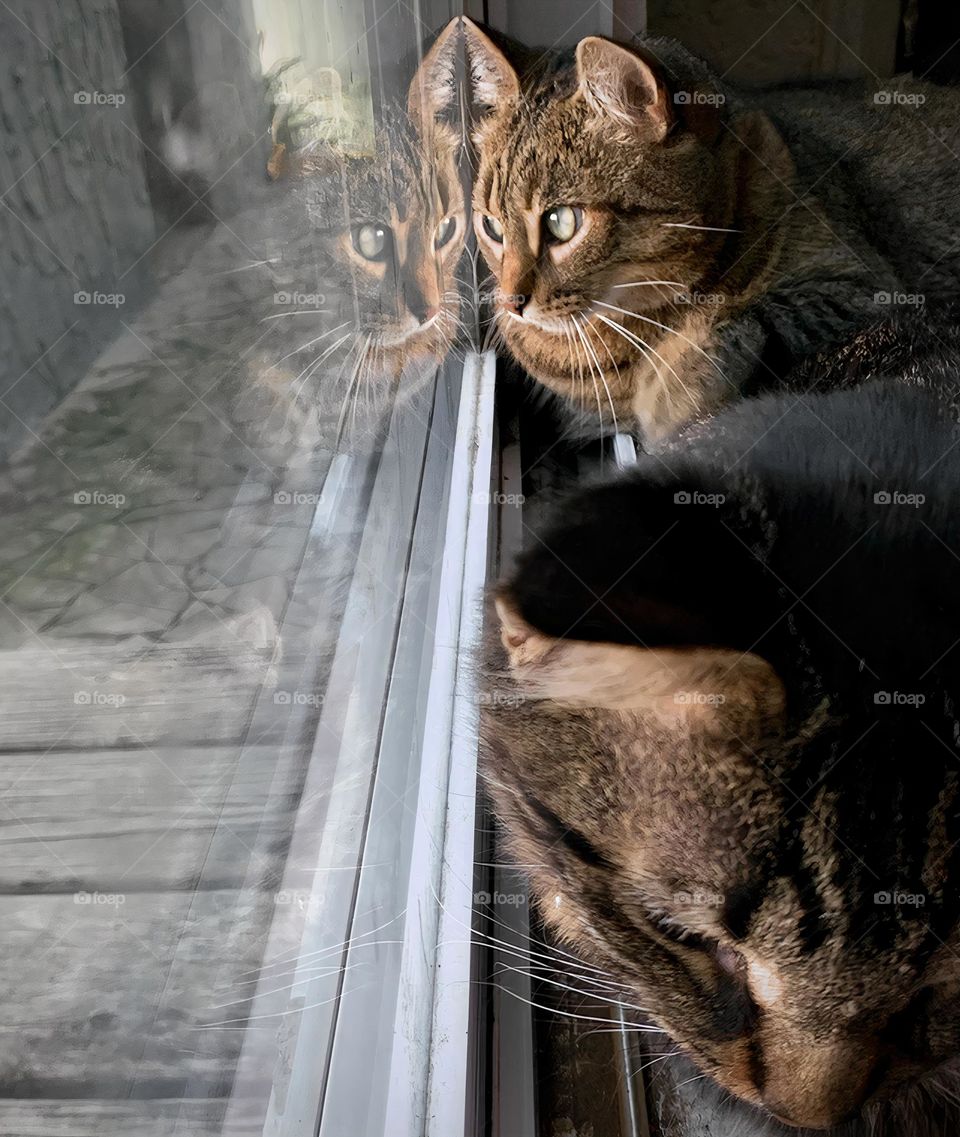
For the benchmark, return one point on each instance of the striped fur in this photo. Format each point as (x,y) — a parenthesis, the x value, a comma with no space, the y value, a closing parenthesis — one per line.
(724,727)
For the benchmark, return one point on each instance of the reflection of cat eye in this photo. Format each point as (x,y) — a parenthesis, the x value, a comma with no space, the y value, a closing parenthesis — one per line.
(493,228)
(370,240)
(563,221)
(445,231)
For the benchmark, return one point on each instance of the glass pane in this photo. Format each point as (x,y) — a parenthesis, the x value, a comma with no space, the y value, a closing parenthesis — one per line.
(234,346)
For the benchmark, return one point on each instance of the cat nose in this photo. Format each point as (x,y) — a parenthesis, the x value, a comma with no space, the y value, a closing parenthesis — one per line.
(515,303)
(418,304)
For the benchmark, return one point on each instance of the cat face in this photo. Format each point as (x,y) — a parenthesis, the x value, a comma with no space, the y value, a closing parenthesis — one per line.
(388,233)
(719,813)
(382,235)
(653,862)
(601,206)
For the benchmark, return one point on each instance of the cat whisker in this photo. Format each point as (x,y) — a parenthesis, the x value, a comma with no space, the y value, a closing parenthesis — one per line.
(312,367)
(689,1081)
(704,228)
(589,346)
(297,964)
(540,955)
(309,975)
(244,1019)
(646,348)
(309,343)
(299,312)
(246,268)
(637,283)
(353,386)
(614,1003)
(295,956)
(672,331)
(559,1011)
(561,966)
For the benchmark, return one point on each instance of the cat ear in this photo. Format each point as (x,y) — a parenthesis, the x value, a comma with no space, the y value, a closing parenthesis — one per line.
(676,684)
(493,79)
(619,84)
(649,559)
(433,89)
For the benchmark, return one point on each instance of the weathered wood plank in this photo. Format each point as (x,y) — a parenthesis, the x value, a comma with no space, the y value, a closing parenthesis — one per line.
(135,820)
(112,1002)
(131,695)
(50,1117)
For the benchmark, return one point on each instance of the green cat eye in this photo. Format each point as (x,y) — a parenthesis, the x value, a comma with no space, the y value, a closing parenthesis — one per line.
(493,228)
(445,231)
(370,240)
(563,221)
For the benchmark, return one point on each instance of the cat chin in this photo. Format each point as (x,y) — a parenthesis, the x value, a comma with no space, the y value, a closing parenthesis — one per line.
(925,1107)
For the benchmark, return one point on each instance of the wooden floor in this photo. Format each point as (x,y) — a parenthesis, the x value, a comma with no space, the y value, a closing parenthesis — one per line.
(164,633)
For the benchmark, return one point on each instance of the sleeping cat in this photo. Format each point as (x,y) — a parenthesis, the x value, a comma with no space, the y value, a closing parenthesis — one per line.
(725,730)
(370,291)
(662,244)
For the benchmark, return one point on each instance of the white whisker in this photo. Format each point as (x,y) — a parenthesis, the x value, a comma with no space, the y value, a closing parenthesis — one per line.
(705,228)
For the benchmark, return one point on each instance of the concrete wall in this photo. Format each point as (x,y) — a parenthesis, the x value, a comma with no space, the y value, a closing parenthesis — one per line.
(764,41)
(74,214)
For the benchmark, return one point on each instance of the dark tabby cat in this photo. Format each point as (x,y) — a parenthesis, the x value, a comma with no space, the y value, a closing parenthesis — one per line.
(373,247)
(662,244)
(726,731)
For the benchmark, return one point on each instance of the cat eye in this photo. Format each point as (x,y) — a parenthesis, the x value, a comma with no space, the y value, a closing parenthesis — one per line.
(370,240)
(445,230)
(563,221)
(493,228)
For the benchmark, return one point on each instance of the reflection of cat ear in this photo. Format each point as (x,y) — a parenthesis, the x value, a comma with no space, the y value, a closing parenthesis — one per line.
(493,79)
(433,90)
(619,84)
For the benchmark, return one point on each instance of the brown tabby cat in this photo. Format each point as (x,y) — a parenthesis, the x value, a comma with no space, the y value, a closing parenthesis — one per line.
(658,246)
(723,731)
(370,288)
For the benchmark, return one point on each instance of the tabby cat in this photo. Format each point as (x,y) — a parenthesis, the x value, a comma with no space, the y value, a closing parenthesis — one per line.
(371,292)
(724,730)
(662,244)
